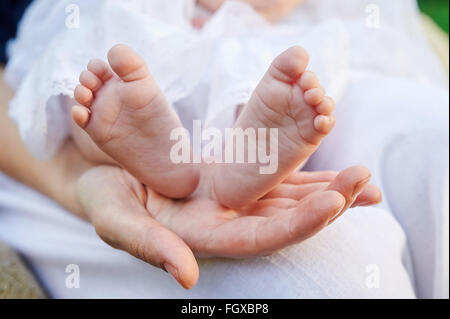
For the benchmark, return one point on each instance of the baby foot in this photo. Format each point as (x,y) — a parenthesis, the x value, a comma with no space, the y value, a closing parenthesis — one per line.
(290,99)
(127,116)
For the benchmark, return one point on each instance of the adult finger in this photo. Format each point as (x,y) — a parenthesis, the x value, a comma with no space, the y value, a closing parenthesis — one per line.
(115,204)
(296,192)
(301,177)
(350,183)
(255,235)
(371,195)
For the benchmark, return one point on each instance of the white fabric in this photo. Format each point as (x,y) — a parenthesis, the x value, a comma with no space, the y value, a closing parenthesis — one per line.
(403,138)
(373,72)
(337,263)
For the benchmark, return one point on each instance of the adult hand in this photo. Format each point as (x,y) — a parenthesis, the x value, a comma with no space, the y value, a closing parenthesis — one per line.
(166,233)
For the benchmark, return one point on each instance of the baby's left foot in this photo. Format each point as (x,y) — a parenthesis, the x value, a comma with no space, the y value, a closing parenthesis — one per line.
(290,99)
(126,114)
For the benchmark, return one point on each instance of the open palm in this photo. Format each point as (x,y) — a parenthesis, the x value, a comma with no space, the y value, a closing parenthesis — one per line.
(165,232)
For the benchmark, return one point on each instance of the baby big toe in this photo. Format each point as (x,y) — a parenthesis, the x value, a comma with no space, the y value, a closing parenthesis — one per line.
(127,64)
(290,65)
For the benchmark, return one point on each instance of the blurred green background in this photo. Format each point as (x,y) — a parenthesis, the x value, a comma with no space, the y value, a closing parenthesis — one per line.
(437,10)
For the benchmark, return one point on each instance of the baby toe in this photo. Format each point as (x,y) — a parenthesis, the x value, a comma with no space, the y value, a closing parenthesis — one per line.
(324,124)
(314,96)
(80,115)
(83,95)
(90,80)
(309,81)
(327,106)
(100,69)
(323,89)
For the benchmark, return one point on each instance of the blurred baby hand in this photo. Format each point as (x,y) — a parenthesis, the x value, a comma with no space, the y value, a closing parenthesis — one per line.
(272,10)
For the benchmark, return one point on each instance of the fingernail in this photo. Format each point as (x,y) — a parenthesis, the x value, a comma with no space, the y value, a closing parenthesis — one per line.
(338,213)
(363,204)
(360,187)
(172,270)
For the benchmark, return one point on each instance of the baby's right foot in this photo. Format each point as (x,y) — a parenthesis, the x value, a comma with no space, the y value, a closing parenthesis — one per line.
(127,116)
(288,99)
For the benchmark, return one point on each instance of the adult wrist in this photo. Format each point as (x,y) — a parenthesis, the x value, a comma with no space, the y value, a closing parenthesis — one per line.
(70,167)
